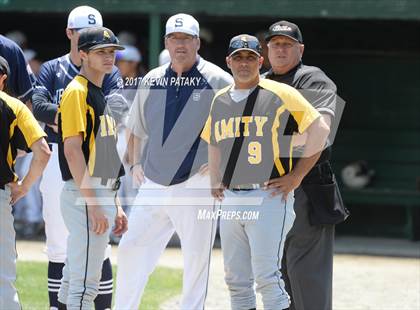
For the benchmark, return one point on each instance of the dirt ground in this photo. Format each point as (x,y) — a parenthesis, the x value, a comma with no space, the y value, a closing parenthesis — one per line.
(360,281)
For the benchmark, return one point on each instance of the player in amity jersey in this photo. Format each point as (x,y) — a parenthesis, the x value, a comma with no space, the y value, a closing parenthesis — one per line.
(18,130)
(53,78)
(250,134)
(91,168)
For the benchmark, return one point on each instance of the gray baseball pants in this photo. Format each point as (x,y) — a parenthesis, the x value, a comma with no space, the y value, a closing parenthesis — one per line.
(8,295)
(85,249)
(253,249)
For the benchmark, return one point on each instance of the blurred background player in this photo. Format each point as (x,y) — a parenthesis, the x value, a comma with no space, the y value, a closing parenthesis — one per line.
(260,35)
(129,62)
(53,78)
(18,130)
(164,57)
(33,61)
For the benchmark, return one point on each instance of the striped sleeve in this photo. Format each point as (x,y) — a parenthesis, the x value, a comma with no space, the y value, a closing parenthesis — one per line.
(302,111)
(28,125)
(73,108)
(206,133)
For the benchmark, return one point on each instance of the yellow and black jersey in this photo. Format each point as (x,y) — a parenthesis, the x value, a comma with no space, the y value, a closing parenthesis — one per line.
(83,111)
(18,130)
(278,111)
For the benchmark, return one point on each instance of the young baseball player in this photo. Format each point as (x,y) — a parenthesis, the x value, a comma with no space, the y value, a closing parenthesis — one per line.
(18,130)
(170,110)
(250,130)
(53,78)
(91,169)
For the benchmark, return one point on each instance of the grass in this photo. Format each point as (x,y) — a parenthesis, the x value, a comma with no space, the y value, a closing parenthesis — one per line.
(32,286)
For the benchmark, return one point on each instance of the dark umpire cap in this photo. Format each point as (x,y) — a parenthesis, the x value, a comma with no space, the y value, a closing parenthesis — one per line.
(97,37)
(4,66)
(244,42)
(284,28)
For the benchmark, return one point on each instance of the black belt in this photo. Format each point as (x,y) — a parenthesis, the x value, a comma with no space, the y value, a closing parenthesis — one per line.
(115,186)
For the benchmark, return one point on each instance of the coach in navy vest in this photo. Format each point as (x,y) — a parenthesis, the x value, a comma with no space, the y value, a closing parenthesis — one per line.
(170,111)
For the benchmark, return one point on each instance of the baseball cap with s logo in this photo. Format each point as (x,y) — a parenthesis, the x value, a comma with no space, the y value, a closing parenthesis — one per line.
(182,23)
(84,17)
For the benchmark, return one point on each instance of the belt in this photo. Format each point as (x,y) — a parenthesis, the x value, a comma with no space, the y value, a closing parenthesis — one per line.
(113,184)
(247,187)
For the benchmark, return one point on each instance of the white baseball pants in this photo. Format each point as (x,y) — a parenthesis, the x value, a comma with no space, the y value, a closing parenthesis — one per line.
(158,213)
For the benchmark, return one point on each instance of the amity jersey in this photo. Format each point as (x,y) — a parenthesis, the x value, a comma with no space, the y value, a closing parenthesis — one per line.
(170,112)
(53,78)
(267,131)
(18,130)
(21,80)
(83,110)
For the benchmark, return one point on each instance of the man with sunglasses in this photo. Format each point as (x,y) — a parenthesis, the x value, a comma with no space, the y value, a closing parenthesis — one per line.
(250,138)
(308,253)
(170,110)
(53,78)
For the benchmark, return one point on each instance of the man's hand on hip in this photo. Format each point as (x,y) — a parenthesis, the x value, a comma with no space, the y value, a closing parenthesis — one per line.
(284,185)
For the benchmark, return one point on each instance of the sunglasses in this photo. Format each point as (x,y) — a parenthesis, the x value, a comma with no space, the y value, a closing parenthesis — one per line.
(253,45)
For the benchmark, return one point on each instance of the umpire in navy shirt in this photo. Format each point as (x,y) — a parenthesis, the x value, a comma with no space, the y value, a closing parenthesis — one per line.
(307,264)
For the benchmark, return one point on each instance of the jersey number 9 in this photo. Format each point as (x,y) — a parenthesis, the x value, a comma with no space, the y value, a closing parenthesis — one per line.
(254,152)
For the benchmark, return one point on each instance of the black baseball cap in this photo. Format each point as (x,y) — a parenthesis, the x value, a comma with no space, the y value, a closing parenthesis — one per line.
(4,66)
(284,28)
(244,42)
(97,37)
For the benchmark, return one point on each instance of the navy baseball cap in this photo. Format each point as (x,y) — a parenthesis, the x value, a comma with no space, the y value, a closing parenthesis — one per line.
(284,28)
(4,66)
(97,37)
(244,42)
